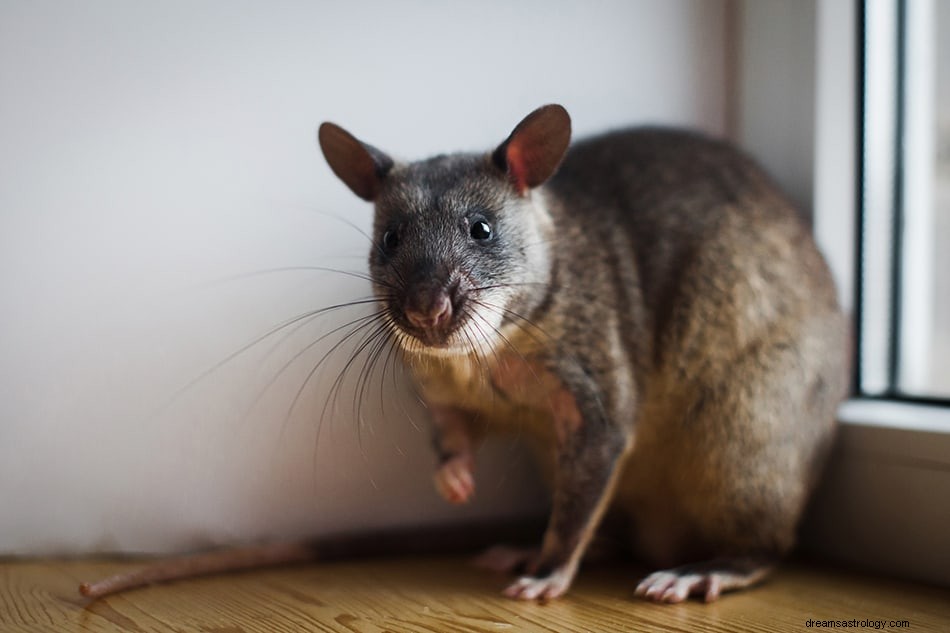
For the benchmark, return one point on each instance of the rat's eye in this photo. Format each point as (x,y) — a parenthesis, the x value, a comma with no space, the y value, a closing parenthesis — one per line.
(390,240)
(480,230)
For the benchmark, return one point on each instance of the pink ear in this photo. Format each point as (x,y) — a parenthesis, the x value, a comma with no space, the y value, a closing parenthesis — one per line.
(362,167)
(535,148)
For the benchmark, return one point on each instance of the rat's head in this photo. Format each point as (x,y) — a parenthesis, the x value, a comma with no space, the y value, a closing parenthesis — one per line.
(459,243)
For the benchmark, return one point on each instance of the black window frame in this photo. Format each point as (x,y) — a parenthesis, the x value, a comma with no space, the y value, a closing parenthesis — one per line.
(892,391)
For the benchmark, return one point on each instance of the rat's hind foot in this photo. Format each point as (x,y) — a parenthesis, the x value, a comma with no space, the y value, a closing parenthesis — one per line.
(454,479)
(705,579)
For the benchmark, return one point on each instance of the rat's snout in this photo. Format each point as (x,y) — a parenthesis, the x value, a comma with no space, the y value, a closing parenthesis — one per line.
(432,312)
(432,307)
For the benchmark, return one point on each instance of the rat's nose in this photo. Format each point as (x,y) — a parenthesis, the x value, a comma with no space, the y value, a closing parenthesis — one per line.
(436,315)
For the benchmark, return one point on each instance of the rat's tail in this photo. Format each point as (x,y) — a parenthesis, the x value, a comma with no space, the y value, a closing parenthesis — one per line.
(214,562)
(406,541)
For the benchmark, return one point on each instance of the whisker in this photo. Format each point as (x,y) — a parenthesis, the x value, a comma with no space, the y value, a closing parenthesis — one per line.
(283,269)
(290,332)
(338,218)
(349,223)
(331,396)
(270,383)
(375,245)
(521,323)
(366,373)
(391,341)
(401,356)
(338,382)
(373,329)
(317,366)
(310,314)
(509,285)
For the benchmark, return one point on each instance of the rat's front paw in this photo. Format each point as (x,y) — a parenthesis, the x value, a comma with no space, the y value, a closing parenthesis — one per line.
(546,587)
(454,479)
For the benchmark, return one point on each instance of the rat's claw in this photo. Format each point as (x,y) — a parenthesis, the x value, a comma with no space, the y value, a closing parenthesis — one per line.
(551,586)
(713,588)
(454,480)
(671,588)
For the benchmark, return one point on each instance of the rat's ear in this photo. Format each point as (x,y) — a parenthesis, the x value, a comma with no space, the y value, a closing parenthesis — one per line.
(362,167)
(535,148)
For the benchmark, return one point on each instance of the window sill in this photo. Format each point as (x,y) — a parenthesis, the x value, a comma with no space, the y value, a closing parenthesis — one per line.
(896,415)
(884,502)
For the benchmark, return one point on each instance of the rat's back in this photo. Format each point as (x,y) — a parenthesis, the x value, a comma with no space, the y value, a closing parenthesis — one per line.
(708,230)
(735,330)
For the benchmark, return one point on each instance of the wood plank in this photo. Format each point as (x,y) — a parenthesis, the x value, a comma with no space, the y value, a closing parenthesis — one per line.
(443,594)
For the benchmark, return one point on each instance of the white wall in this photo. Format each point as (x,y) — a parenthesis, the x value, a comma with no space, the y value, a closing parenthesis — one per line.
(777,90)
(148,149)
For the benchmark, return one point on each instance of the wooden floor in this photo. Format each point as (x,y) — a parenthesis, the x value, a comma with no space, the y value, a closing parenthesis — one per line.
(445,594)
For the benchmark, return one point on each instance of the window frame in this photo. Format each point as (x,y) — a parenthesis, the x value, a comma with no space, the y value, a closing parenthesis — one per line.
(892,114)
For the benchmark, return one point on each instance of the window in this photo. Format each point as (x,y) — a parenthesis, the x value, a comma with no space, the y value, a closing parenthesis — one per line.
(904,174)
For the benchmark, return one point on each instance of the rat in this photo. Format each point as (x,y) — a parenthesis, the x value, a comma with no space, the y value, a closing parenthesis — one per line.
(645,307)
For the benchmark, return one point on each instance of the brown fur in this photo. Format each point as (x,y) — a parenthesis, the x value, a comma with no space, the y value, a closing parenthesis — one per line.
(655,316)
